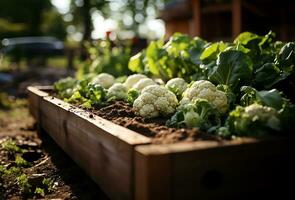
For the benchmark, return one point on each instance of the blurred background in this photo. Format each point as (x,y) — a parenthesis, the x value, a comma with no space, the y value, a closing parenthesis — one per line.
(42,41)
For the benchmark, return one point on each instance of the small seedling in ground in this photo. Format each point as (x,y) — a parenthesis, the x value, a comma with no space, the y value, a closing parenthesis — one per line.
(20,162)
(48,184)
(40,192)
(13,171)
(2,170)
(23,183)
(27,184)
(10,146)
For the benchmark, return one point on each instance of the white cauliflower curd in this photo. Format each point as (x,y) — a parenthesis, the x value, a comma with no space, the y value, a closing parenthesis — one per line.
(133,79)
(263,113)
(177,86)
(205,90)
(118,91)
(141,84)
(154,101)
(104,79)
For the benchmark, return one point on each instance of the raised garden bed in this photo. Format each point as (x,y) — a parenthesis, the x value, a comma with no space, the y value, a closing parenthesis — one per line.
(128,165)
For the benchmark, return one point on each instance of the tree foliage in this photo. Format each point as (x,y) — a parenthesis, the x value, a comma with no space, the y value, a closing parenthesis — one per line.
(29,18)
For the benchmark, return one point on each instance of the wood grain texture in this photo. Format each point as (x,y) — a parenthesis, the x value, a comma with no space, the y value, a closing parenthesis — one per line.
(210,170)
(35,94)
(103,149)
(153,176)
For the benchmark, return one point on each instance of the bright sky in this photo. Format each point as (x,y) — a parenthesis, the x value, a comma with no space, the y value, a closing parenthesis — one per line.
(152,28)
(63,6)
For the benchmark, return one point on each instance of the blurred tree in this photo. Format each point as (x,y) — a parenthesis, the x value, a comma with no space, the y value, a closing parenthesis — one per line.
(26,17)
(140,10)
(81,10)
(53,24)
(136,10)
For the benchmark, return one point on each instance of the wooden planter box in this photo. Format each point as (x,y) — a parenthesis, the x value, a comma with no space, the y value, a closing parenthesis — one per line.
(127,166)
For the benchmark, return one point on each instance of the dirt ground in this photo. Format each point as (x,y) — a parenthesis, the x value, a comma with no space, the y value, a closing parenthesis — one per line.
(47,160)
(32,166)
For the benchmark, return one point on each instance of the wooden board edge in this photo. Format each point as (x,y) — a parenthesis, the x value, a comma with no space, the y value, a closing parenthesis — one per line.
(120,132)
(152,177)
(198,159)
(93,149)
(158,149)
(41,91)
(35,94)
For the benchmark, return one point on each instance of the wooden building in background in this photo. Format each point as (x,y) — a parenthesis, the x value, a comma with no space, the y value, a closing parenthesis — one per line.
(225,19)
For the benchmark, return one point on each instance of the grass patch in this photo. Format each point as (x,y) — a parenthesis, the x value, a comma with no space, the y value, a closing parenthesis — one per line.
(57,62)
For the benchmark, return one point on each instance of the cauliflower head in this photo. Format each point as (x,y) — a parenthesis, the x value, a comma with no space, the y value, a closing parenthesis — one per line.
(254,119)
(140,85)
(118,91)
(263,113)
(133,79)
(154,101)
(104,79)
(205,90)
(177,86)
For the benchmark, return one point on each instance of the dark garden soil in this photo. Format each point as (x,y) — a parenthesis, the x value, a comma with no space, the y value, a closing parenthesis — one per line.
(46,166)
(121,113)
(32,166)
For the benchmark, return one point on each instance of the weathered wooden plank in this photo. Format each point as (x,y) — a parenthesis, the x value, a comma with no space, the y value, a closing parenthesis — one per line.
(34,95)
(52,120)
(153,176)
(210,170)
(103,149)
(107,159)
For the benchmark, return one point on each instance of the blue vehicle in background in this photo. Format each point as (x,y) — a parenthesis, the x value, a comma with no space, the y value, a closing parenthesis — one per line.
(32,48)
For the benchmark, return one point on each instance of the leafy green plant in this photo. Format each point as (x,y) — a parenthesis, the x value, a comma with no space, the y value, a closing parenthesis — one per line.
(106,57)
(272,98)
(132,95)
(233,68)
(179,57)
(2,170)
(23,183)
(48,185)
(66,87)
(81,92)
(13,171)
(212,51)
(250,57)
(20,162)
(10,146)
(201,114)
(40,192)
(244,88)
(253,120)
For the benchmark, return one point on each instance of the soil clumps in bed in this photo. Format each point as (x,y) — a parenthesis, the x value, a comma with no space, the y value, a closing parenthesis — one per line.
(122,114)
